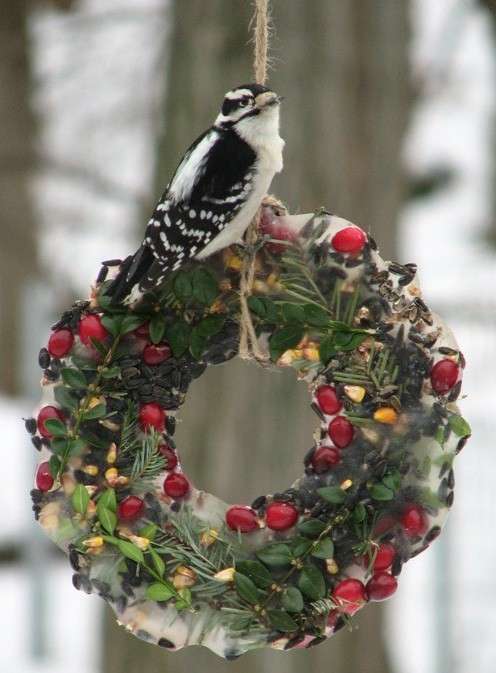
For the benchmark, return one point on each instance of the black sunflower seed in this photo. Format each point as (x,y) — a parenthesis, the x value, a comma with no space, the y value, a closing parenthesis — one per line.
(44,358)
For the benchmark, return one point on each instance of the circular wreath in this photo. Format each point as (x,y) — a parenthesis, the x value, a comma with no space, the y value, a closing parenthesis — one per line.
(178,565)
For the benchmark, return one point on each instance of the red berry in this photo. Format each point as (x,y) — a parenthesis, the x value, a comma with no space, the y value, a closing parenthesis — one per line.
(350,595)
(169,455)
(324,458)
(90,327)
(341,432)
(381,586)
(130,508)
(176,485)
(270,225)
(349,239)
(44,414)
(143,331)
(60,342)
(44,479)
(384,557)
(384,523)
(152,415)
(444,375)
(244,519)
(328,400)
(281,515)
(414,520)
(154,354)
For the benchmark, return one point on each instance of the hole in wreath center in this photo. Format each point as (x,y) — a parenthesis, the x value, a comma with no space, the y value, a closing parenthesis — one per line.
(243,430)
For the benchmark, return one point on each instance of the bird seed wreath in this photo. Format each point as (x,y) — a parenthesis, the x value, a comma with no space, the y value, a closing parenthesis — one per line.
(178,565)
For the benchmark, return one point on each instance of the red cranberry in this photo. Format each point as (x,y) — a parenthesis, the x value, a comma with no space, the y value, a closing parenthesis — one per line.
(324,458)
(44,414)
(341,432)
(44,479)
(271,226)
(90,327)
(328,400)
(384,557)
(381,586)
(176,485)
(60,342)
(143,331)
(152,415)
(350,595)
(444,375)
(281,515)
(349,239)
(384,523)
(154,354)
(414,520)
(244,519)
(169,455)
(130,508)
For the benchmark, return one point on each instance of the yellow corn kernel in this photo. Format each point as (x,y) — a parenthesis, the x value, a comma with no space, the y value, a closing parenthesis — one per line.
(226,575)
(122,481)
(346,484)
(111,475)
(312,354)
(112,454)
(93,542)
(92,470)
(208,537)
(231,261)
(141,542)
(355,393)
(183,577)
(332,566)
(94,401)
(386,415)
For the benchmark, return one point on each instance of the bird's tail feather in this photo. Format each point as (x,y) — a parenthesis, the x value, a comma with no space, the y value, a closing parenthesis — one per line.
(131,272)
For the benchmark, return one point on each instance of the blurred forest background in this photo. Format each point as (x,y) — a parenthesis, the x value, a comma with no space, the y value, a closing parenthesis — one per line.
(389,120)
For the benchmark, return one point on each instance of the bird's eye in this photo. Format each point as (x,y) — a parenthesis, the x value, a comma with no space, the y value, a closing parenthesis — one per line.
(243,103)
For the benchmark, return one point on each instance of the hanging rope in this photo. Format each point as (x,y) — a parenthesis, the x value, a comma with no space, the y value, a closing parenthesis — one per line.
(249,346)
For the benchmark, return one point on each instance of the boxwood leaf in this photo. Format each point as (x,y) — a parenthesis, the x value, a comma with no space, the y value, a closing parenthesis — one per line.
(106,517)
(381,492)
(459,426)
(292,600)
(263,307)
(333,494)
(311,582)
(183,286)
(55,427)
(130,323)
(327,349)
(108,499)
(311,528)
(315,315)
(73,378)
(211,325)
(281,620)
(324,548)
(257,572)
(95,412)
(159,592)
(285,338)
(149,531)
(54,466)
(197,343)
(130,551)
(275,555)
(112,324)
(246,588)
(157,329)
(65,398)
(178,336)
(80,499)
(205,286)
(293,313)
(157,562)
(300,546)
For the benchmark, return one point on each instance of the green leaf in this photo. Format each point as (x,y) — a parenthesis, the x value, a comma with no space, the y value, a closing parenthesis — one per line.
(333,494)
(59,444)
(359,513)
(185,599)
(315,315)
(159,592)
(55,427)
(65,398)
(106,517)
(327,349)
(275,555)
(211,325)
(95,412)
(130,551)
(197,343)
(149,531)
(263,307)
(292,600)
(99,346)
(178,335)
(312,583)
(205,286)
(257,572)
(440,434)
(73,378)
(312,527)
(157,562)
(54,466)
(393,480)
(381,492)
(130,323)
(281,620)
(80,499)
(112,324)
(246,588)
(77,446)
(110,372)
(300,546)
(342,339)
(293,313)
(284,339)
(459,426)
(157,328)
(324,548)
(183,286)
(108,500)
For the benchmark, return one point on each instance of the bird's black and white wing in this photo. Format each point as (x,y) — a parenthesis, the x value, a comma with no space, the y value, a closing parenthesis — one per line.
(209,188)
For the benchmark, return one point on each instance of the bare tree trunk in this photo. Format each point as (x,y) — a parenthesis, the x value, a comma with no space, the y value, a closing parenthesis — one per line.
(17,223)
(343,69)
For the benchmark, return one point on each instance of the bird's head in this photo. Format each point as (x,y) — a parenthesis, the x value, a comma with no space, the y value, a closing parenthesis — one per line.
(250,108)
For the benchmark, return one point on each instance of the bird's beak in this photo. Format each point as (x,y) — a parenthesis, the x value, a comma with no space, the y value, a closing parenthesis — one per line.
(267,99)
